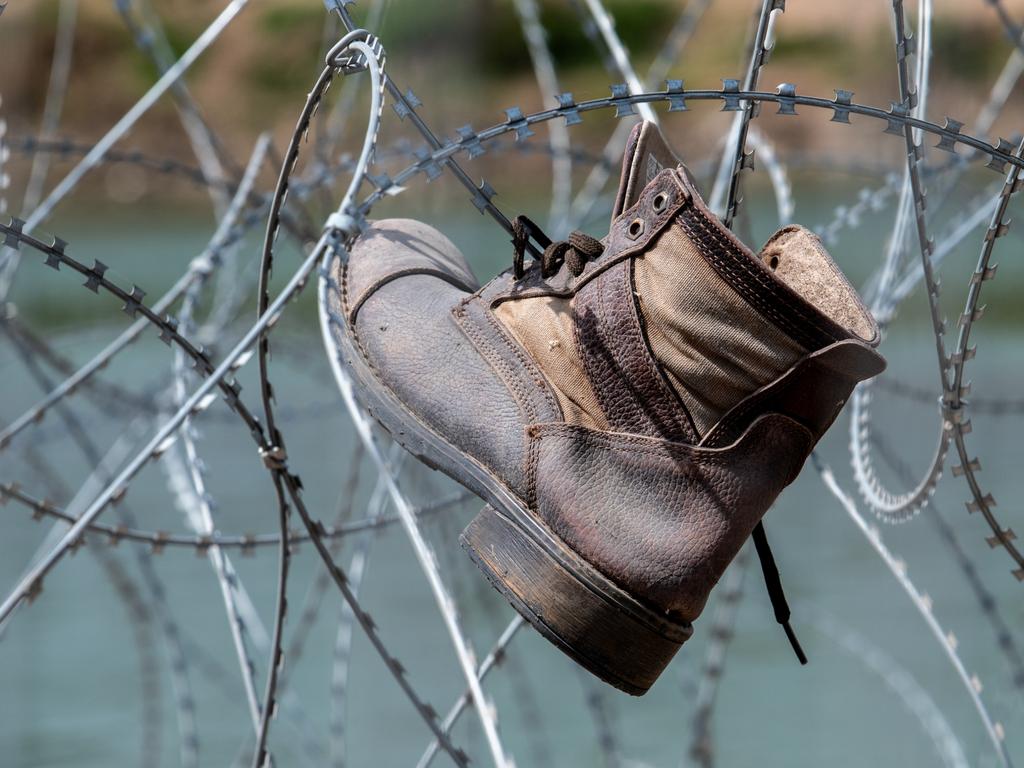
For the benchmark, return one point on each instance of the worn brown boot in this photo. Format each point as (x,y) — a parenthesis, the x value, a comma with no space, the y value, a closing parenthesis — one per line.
(629,408)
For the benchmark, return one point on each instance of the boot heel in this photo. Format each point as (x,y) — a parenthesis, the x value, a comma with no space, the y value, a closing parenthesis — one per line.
(578,609)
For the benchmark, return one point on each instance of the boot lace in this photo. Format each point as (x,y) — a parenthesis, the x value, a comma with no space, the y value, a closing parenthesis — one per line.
(574,252)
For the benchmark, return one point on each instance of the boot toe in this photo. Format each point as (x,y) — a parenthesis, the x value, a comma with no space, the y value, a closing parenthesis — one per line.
(414,367)
(394,248)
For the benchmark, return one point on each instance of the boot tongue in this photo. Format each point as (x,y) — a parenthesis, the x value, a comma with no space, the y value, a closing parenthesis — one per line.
(647,154)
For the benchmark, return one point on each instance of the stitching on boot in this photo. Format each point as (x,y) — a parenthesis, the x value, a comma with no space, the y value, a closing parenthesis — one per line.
(639,348)
(710,243)
(684,419)
(669,451)
(465,317)
(538,377)
(375,286)
(618,247)
(615,355)
(478,339)
(353,331)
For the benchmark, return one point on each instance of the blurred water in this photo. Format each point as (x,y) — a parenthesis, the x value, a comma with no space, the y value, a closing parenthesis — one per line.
(70,692)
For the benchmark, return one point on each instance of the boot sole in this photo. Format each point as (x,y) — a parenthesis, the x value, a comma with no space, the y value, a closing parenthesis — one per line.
(588,617)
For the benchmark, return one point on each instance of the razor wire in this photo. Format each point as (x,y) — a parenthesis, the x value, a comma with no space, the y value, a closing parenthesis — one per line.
(440,154)
(932,129)
(740,159)
(157,542)
(9,258)
(194,498)
(722,630)
(993,406)
(669,53)
(358,564)
(865,110)
(424,554)
(923,603)
(605,25)
(547,83)
(912,198)
(149,38)
(140,617)
(899,121)
(900,681)
(156,591)
(201,399)
(986,601)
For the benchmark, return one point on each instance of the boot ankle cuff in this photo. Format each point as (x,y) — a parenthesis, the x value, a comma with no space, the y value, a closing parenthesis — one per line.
(740,267)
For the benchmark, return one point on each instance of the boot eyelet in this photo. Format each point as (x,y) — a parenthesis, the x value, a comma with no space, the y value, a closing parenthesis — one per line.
(635,229)
(660,202)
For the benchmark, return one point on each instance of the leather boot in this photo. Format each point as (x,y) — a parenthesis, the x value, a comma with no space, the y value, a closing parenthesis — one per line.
(629,408)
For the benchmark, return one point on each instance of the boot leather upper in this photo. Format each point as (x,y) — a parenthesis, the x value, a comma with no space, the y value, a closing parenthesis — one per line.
(610,459)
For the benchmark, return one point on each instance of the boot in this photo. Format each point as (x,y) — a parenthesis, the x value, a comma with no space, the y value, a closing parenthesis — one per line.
(629,408)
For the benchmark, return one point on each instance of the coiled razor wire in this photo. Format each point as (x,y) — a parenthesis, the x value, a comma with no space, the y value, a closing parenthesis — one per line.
(150,39)
(722,630)
(923,604)
(5,154)
(899,680)
(486,711)
(360,51)
(54,250)
(194,498)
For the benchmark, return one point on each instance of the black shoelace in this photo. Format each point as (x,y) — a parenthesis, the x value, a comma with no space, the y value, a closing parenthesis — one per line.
(574,252)
(774,585)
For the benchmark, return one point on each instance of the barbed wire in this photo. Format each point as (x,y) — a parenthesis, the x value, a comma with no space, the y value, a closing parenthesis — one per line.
(428,563)
(199,401)
(954,404)
(102,393)
(175,437)
(740,159)
(139,616)
(923,603)
(9,257)
(5,154)
(991,406)
(358,564)
(494,657)
(189,483)
(669,53)
(898,679)
(986,600)
(157,592)
(149,37)
(889,506)
(547,83)
(247,544)
(954,427)
(722,630)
